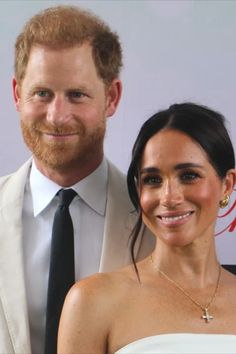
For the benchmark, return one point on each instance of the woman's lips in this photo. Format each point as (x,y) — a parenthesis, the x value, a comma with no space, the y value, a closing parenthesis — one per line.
(175,219)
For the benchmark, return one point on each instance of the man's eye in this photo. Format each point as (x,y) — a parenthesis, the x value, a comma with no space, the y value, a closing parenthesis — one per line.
(42,93)
(189,176)
(76,94)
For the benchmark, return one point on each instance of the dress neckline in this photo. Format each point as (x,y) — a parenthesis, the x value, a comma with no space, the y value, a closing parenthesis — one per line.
(173,335)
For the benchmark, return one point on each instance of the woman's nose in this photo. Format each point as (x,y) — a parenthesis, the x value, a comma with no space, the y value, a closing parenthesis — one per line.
(171,194)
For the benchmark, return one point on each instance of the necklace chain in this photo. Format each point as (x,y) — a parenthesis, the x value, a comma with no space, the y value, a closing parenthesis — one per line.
(206,316)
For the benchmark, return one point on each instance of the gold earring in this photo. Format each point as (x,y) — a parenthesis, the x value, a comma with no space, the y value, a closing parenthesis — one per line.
(224,202)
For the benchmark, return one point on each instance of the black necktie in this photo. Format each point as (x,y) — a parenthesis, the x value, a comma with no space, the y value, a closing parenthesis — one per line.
(62,269)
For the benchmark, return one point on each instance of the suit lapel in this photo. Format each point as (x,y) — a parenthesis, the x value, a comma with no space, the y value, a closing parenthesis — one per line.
(12,287)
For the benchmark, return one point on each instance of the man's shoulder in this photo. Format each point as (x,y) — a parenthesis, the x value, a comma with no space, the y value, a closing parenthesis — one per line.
(116,178)
(13,184)
(115,172)
(117,187)
(21,172)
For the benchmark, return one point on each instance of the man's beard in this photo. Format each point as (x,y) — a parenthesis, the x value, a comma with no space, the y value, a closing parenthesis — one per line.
(61,155)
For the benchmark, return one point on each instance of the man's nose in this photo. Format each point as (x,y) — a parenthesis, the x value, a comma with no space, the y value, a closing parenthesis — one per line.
(59,111)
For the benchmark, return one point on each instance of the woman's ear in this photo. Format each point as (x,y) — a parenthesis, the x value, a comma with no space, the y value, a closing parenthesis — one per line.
(229,182)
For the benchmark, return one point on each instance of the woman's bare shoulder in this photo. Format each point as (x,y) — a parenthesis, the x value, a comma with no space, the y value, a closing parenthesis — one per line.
(101,289)
(88,313)
(107,281)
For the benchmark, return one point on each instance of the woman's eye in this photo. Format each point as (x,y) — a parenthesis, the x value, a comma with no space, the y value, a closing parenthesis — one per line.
(189,176)
(152,180)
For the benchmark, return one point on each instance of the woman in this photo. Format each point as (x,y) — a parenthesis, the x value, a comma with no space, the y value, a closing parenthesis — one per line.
(179,299)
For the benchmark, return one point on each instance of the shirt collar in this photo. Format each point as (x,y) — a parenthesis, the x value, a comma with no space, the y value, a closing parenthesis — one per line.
(92,189)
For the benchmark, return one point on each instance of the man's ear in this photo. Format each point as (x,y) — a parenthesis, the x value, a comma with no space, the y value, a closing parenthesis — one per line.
(113,95)
(229,182)
(16,94)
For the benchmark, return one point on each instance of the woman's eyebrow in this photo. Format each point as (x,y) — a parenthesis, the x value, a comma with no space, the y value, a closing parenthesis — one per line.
(179,166)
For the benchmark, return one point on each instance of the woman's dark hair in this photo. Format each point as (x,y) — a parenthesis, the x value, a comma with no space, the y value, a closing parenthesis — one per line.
(205,126)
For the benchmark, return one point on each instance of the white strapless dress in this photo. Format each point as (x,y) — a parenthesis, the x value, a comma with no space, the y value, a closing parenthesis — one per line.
(182,343)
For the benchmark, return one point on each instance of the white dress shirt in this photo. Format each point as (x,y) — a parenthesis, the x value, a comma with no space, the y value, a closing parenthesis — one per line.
(87,211)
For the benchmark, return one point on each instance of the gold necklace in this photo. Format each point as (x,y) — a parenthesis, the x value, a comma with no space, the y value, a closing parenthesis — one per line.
(206,316)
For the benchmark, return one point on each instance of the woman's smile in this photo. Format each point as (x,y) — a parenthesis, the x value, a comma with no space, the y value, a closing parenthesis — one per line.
(175,219)
(179,188)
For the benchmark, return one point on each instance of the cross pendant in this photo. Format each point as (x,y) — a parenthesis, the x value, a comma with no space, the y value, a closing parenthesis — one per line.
(207,317)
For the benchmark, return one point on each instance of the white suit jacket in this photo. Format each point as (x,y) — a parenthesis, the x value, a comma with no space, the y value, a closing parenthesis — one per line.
(14,326)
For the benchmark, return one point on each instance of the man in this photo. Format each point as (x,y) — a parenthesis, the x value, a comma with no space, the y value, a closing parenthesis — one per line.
(66,84)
